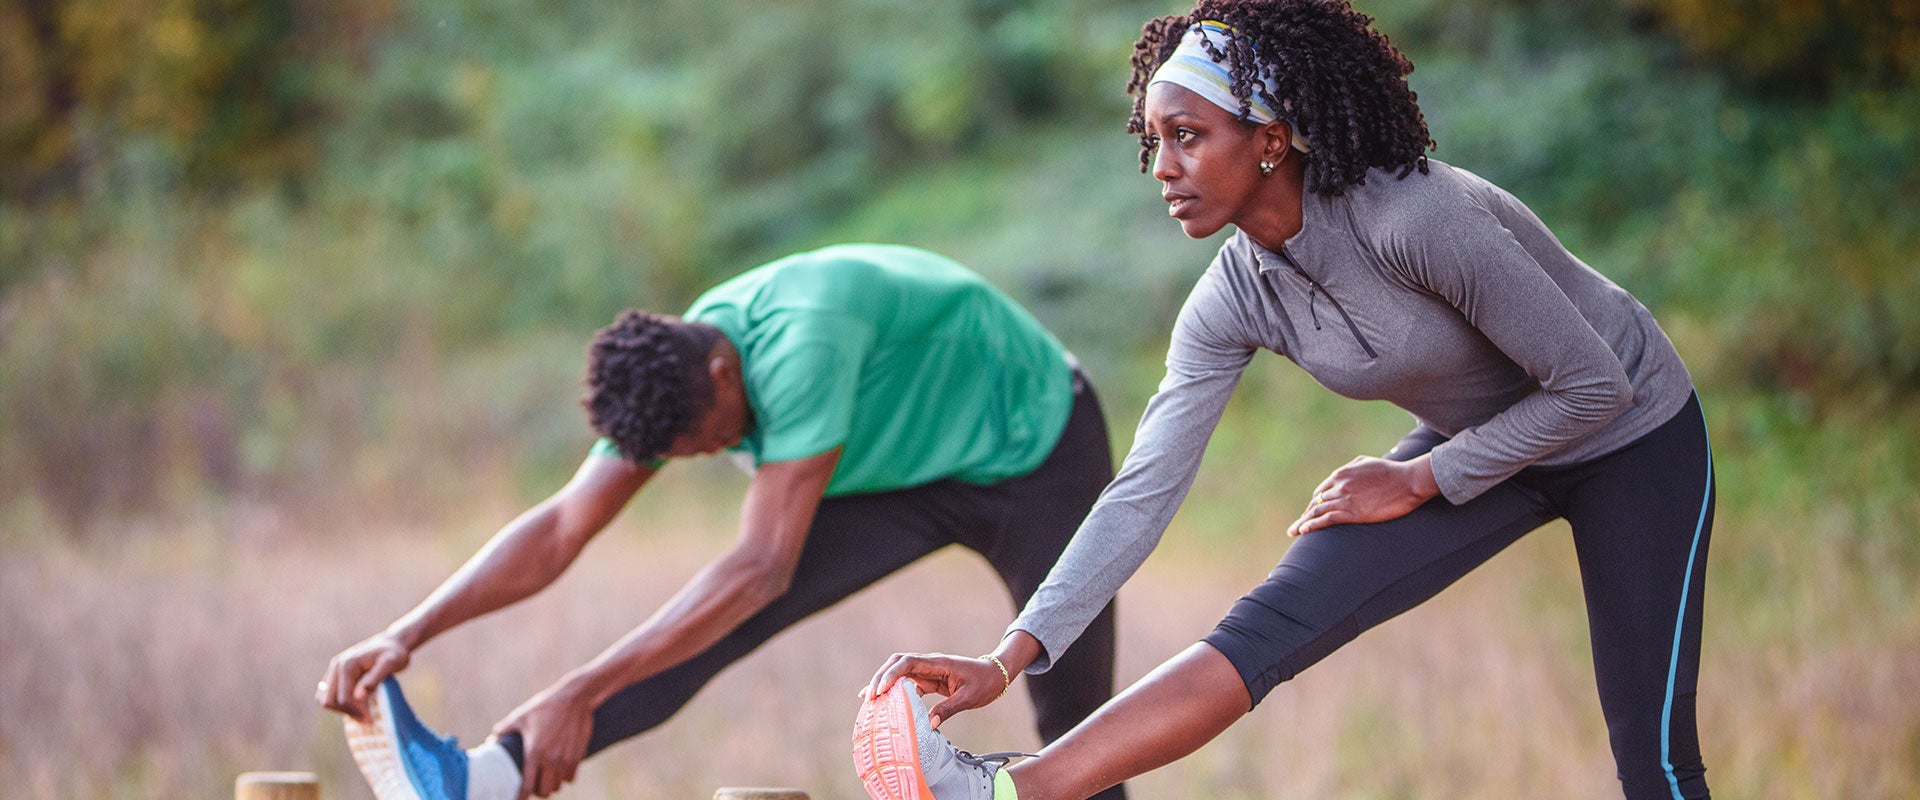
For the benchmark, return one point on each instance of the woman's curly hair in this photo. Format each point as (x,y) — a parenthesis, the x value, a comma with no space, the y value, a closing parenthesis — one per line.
(1339,80)
(647,381)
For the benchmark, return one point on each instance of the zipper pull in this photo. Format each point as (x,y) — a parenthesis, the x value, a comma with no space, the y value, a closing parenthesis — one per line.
(1312,287)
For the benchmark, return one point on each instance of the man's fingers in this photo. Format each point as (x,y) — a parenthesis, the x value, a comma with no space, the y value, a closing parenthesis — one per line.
(363,688)
(540,777)
(529,770)
(338,687)
(560,775)
(346,692)
(575,751)
(530,780)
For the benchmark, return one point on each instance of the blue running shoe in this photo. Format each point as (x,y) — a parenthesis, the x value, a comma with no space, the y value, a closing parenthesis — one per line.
(400,756)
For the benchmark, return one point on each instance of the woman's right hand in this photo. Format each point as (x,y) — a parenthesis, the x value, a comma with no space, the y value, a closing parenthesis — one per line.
(353,674)
(967,683)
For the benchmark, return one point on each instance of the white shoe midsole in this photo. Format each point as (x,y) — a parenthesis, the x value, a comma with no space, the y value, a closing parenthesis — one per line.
(376,748)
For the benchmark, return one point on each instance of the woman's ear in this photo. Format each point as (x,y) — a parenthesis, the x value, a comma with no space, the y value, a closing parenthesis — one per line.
(1276,141)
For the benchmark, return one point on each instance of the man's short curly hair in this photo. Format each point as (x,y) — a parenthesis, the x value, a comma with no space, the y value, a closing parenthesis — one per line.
(1342,82)
(647,381)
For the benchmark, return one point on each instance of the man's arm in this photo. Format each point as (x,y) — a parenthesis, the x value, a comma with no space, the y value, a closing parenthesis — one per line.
(774,520)
(523,558)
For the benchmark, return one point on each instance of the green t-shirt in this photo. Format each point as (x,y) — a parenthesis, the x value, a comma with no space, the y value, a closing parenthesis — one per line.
(917,367)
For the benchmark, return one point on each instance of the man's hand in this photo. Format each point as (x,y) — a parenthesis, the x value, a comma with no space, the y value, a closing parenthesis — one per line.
(554,727)
(353,674)
(1368,490)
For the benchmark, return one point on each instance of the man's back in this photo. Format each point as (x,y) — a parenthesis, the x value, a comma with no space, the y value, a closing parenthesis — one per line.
(916,366)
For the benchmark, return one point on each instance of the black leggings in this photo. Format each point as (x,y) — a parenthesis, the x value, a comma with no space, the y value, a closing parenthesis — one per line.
(1641,518)
(1019,525)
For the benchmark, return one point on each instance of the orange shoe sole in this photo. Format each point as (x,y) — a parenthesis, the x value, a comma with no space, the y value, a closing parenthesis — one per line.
(886,753)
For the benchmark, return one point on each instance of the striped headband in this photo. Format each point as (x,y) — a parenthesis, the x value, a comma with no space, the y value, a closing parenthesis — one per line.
(1191,67)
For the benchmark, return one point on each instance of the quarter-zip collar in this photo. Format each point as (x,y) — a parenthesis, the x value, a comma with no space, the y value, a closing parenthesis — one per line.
(1301,254)
(1307,246)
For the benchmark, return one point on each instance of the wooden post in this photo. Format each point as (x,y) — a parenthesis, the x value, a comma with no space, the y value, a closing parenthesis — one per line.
(759,794)
(276,786)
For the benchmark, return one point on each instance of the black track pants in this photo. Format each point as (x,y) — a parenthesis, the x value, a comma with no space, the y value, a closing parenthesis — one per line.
(1019,525)
(1641,518)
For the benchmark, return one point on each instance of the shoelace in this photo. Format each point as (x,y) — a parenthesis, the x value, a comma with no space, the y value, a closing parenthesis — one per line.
(997,759)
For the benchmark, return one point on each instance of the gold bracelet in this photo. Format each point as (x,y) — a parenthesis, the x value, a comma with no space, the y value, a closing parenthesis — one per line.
(1004,675)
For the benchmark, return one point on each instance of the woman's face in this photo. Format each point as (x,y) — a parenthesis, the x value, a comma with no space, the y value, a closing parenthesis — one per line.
(1206,159)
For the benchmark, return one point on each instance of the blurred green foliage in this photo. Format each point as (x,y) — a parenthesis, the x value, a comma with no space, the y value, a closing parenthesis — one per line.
(1799,45)
(303,253)
(225,89)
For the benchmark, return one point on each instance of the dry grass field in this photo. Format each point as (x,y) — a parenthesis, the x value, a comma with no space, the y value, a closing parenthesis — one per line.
(162,668)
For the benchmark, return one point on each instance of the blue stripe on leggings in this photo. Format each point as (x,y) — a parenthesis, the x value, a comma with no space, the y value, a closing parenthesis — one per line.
(1679,623)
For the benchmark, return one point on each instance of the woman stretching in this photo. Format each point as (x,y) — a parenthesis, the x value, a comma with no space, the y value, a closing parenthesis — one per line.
(1541,391)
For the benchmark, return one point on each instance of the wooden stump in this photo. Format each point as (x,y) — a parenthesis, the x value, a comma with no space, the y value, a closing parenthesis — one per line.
(276,786)
(759,794)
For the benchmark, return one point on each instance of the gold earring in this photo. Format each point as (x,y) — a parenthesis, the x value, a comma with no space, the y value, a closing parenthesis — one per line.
(1266,168)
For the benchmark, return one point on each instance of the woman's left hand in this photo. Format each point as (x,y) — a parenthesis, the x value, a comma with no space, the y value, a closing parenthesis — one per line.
(1368,490)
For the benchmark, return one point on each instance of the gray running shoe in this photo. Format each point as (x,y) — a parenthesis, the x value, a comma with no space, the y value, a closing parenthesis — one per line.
(899,756)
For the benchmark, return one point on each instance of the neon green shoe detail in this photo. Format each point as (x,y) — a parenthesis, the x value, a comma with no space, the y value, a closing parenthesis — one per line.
(1003,786)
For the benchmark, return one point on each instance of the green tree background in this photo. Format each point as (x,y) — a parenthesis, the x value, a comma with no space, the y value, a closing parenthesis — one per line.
(229,227)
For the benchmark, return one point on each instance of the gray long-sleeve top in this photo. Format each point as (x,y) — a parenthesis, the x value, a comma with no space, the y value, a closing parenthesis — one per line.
(1440,293)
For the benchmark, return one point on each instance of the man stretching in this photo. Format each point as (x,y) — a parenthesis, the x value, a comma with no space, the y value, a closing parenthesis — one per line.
(891,403)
